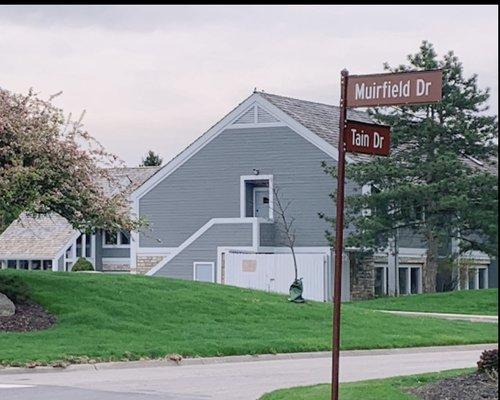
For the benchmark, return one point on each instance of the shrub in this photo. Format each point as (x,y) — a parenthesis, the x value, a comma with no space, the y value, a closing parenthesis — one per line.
(15,288)
(82,265)
(488,361)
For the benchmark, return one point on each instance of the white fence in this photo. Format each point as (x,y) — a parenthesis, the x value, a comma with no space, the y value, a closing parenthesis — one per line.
(275,272)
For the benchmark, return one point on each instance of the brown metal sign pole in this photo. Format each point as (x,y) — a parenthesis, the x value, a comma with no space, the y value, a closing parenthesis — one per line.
(339,238)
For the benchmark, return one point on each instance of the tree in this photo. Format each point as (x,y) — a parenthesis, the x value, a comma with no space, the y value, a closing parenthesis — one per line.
(49,163)
(151,160)
(285,225)
(436,182)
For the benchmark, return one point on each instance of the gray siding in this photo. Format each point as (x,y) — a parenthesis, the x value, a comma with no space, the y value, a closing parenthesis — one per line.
(208,186)
(101,252)
(205,249)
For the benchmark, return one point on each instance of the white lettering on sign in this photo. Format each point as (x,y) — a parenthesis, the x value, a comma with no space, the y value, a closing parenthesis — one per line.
(388,90)
(377,140)
(362,139)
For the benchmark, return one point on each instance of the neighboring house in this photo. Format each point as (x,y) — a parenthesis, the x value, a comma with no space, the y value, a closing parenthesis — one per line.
(211,209)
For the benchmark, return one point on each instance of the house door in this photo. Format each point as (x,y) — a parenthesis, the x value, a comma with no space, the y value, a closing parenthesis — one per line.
(261,202)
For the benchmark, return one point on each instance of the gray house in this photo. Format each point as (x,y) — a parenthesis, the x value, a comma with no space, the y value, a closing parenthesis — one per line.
(212,217)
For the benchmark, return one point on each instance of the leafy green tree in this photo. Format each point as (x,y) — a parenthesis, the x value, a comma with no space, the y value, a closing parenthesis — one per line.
(438,181)
(151,160)
(49,163)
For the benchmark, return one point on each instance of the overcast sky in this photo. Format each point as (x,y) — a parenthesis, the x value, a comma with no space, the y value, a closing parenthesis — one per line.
(157,77)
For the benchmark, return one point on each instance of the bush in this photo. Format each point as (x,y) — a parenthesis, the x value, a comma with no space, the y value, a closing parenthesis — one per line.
(82,265)
(488,361)
(15,289)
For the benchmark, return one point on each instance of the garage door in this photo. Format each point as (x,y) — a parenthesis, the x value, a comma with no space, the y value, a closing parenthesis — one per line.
(275,272)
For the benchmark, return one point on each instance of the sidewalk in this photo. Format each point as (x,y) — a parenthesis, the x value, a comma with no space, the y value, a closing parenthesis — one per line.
(461,317)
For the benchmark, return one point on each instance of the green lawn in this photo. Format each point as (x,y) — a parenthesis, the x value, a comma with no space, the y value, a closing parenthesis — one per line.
(380,389)
(114,317)
(481,302)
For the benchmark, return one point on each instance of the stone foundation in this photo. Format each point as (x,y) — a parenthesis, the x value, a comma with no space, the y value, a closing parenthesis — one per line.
(362,274)
(115,267)
(146,262)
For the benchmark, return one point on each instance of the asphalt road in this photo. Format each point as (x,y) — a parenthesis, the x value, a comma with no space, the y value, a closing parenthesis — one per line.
(225,380)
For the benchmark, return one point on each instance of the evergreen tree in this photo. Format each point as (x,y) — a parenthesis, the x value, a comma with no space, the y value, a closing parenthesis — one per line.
(438,181)
(151,160)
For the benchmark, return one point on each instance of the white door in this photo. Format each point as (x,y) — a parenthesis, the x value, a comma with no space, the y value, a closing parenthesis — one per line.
(275,272)
(261,202)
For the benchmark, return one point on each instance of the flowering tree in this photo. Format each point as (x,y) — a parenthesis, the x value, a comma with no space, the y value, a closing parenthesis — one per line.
(49,163)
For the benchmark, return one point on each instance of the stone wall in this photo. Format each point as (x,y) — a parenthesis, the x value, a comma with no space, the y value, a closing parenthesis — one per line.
(112,267)
(146,262)
(362,271)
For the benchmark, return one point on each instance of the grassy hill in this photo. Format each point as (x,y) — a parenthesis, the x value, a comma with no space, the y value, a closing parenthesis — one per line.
(115,317)
(480,302)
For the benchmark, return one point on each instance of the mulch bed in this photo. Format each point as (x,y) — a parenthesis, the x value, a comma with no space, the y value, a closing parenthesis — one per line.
(28,317)
(476,386)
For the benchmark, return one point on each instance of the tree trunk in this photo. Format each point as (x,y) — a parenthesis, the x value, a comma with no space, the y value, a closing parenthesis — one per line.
(429,276)
(295,263)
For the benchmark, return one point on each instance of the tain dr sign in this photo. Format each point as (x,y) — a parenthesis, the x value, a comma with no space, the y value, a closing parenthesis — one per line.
(394,89)
(360,137)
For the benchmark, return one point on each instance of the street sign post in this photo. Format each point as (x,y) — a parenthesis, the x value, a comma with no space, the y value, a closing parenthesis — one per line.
(405,88)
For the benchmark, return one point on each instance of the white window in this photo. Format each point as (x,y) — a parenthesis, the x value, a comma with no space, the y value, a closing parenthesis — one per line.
(477,278)
(409,279)
(204,271)
(256,196)
(115,239)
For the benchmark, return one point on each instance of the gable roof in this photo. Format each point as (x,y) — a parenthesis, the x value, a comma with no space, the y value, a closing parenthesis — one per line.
(316,122)
(31,237)
(126,179)
(46,236)
(321,119)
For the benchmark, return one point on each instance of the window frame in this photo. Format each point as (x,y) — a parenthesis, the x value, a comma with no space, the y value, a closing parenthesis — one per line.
(196,263)
(243,193)
(118,245)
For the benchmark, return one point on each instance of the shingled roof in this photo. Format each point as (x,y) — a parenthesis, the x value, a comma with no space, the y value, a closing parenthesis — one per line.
(44,236)
(321,119)
(127,179)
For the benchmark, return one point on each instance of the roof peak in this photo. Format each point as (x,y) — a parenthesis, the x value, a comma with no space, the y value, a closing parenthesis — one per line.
(260,92)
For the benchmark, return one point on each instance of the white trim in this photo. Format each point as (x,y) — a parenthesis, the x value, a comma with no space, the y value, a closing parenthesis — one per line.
(192,149)
(258,125)
(245,178)
(197,234)
(196,263)
(219,127)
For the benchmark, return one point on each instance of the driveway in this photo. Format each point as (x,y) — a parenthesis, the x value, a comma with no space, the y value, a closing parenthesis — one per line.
(225,379)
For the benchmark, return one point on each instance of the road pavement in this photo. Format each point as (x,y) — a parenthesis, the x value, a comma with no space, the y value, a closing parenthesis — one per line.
(225,379)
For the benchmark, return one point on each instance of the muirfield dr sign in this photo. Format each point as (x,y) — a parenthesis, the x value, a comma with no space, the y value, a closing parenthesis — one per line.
(394,89)
(403,88)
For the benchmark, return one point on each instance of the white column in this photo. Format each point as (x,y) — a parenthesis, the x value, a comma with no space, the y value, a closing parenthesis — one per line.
(84,245)
(408,280)
(92,249)
(55,267)
(486,282)
(476,278)
(392,269)
(384,280)
(420,280)
(17,264)
(3,263)
(30,264)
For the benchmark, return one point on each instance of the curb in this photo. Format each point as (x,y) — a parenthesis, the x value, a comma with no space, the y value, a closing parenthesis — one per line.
(241,359)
